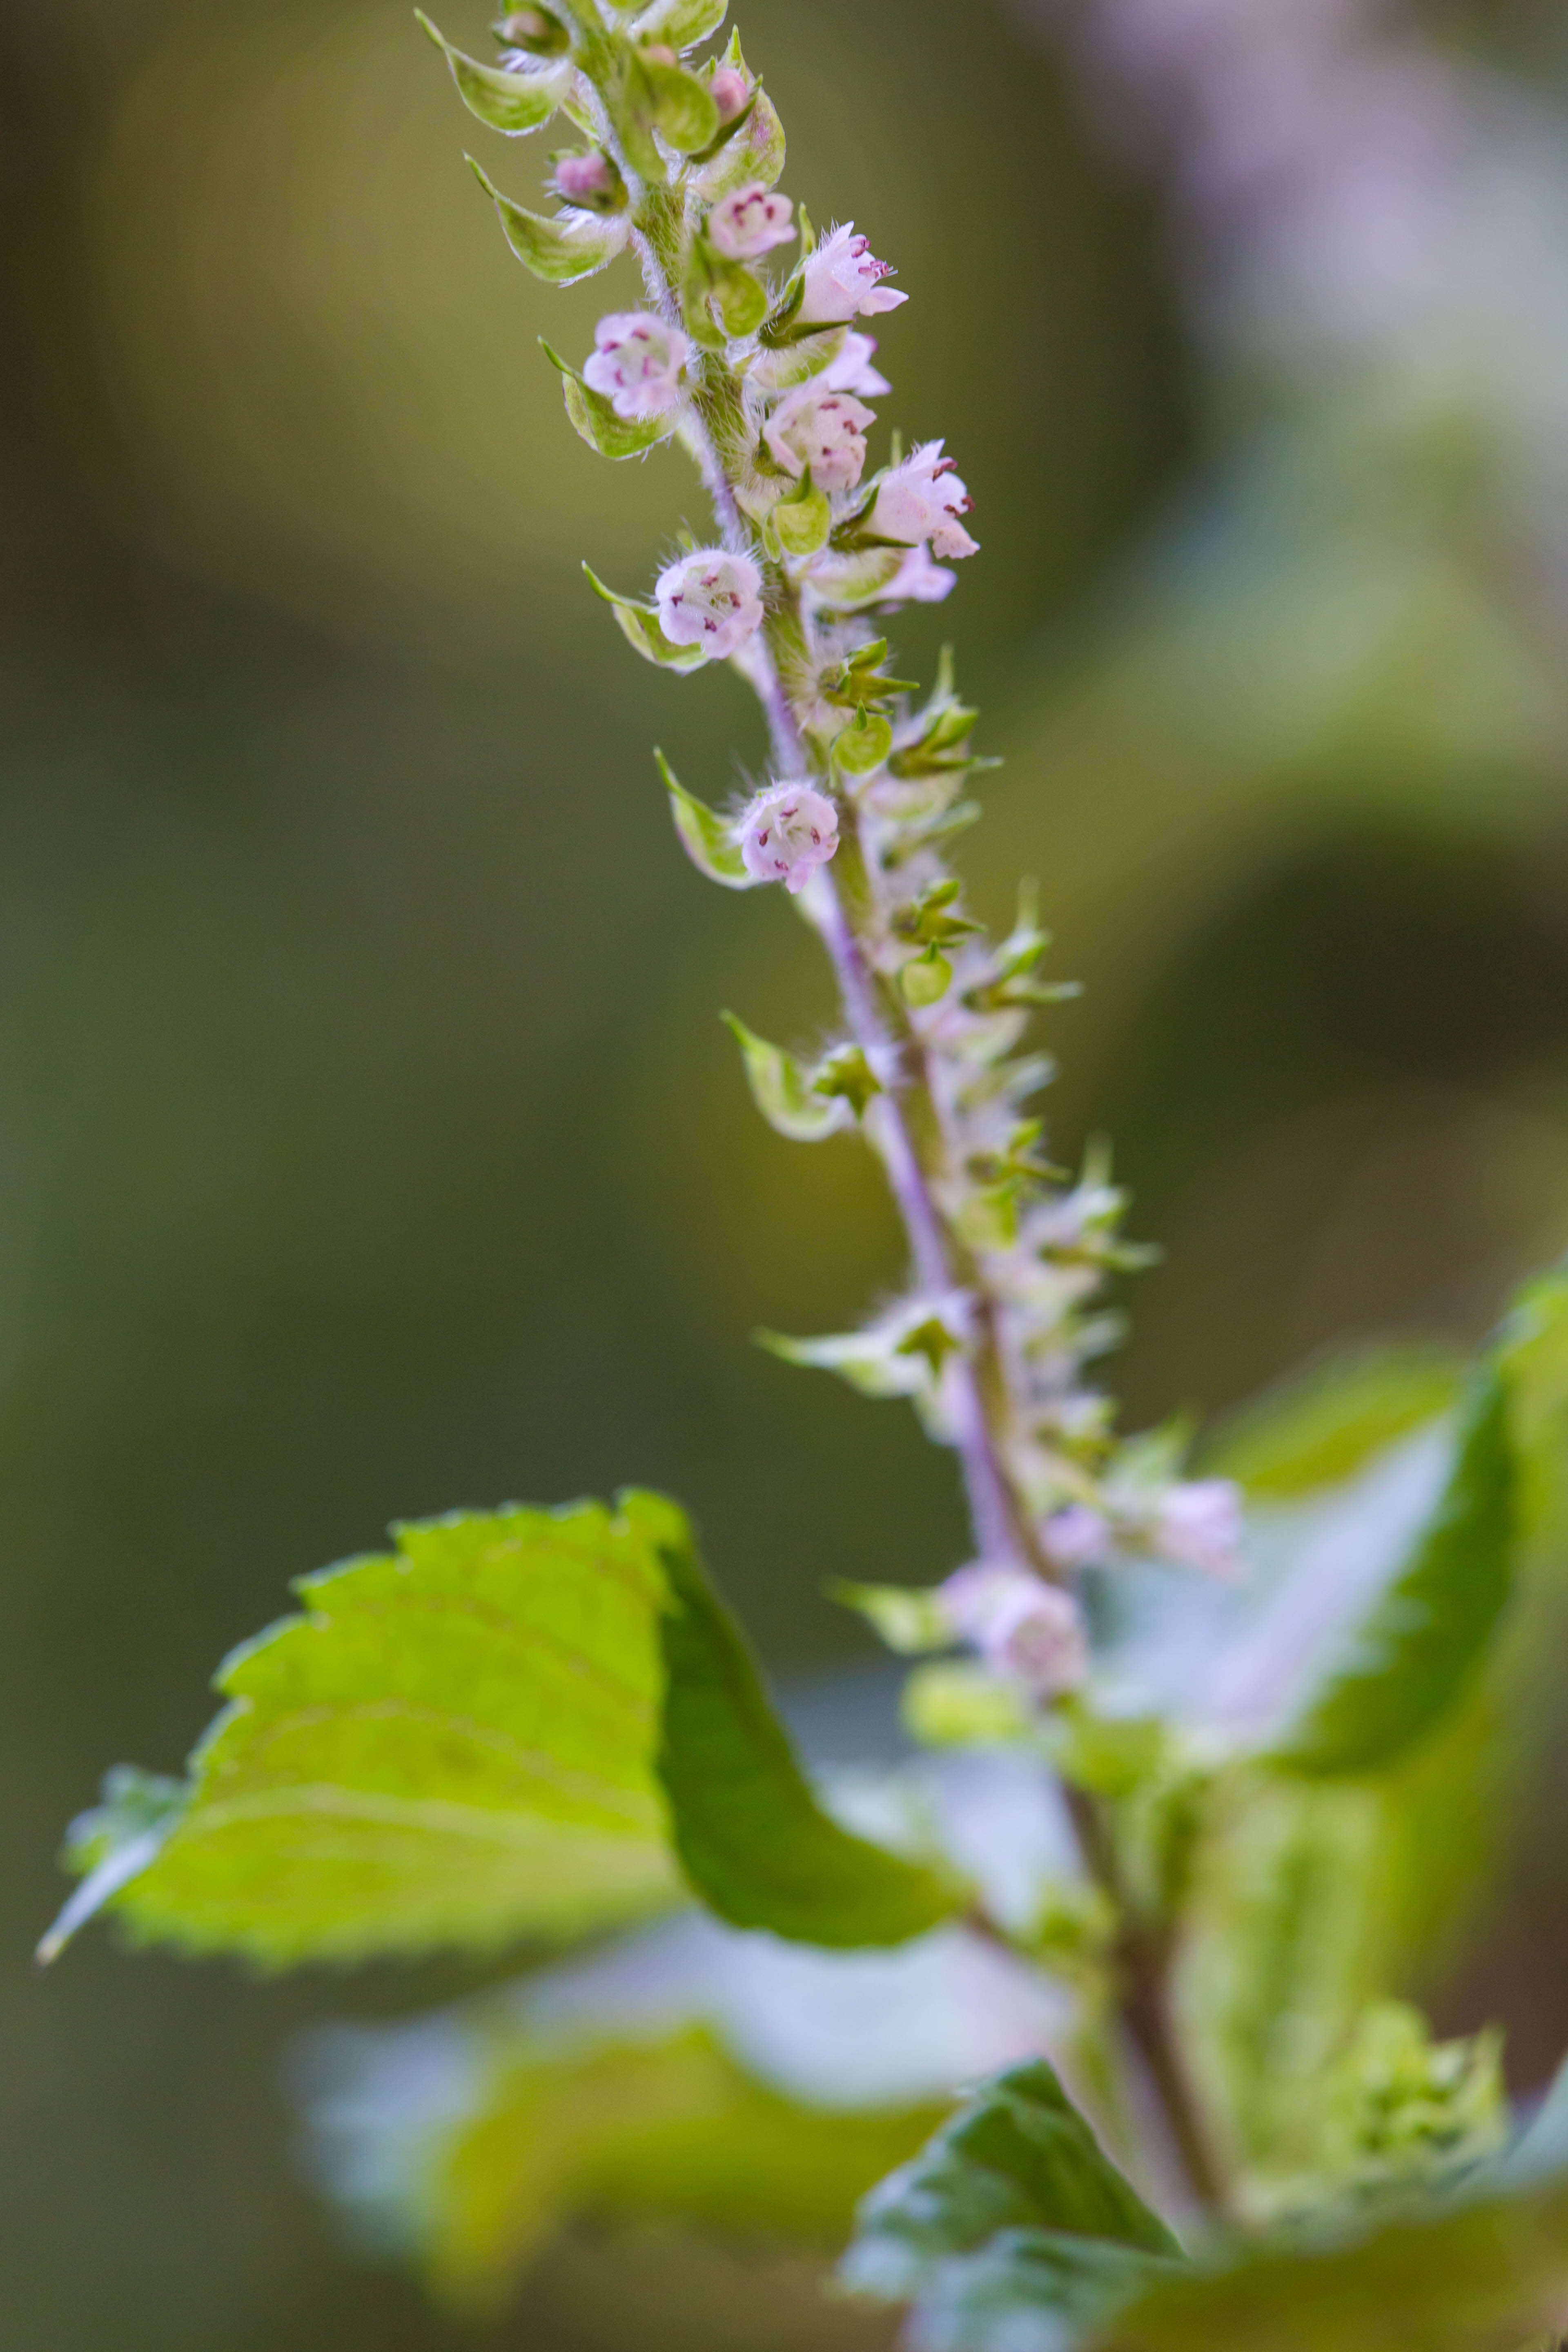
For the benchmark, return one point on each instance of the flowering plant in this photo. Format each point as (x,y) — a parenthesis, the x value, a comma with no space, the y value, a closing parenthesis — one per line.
(1178,1751)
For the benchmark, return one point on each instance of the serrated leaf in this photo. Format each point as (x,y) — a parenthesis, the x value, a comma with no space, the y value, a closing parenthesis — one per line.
(1015,2155)
(1486,2275)
(752,1839)
(1411,1655)
(511,102)
(499,1731)
(639,626)
(558,250)
(703,833)
(679,23)
(783,1090)
(595,418)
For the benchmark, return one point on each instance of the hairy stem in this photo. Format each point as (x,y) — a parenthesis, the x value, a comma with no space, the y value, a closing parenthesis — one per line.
(782,663)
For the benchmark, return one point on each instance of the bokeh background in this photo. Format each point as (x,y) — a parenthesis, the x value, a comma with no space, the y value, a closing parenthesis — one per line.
(368,1141)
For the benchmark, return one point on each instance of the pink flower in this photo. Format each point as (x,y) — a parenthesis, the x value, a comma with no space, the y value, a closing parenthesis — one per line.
(1076,1537)
(788,831)
(638,364)
(922,499)
(1200,1524)
(729,90)
(710,599)
(824,430)
(1024,1627)
(843,278)
(749,222)
(852,370)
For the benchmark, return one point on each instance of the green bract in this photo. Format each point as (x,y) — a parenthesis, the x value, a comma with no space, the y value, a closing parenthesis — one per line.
(594,417)
(785,1093)
(512,102)
(558,251)
(639,626)
(703,835)
(519,1724)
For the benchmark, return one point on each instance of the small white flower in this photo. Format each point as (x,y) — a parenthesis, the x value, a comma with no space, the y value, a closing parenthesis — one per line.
(788,831)
(729,90)
(710,599)
(1076,1537)
(852,370)
(636,364)
(1199,1523)
(922,499)
(824,430)
(919,581)
(1024,1627)
(749,222)
(843,280)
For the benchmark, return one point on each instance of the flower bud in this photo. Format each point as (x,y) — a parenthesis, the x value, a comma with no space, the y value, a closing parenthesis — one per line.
(923,499)
(824,430)
(586,177)
(1076,1537)
(749,222)
(788,831)
(843,278)
(711,599)
(533,29)
(658,53)
(636,364)
(1024,1627)
(1199,1523)
(729,92)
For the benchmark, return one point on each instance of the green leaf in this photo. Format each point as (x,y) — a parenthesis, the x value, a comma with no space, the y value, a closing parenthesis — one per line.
(1030,2291)
(608,2129)
(679,23)
(512,102)
(1321,1425)
(499,1731)
(555,250)
(783,1090)
(703,833)
(1281,1950)
(1016,2154)
(594,417)
(1414,1654)
(911,1619)
(639,626)
(752,1839)
(1484,2276)
(114,1844)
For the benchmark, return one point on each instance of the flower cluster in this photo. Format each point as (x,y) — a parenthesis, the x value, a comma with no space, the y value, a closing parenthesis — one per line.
(766,374)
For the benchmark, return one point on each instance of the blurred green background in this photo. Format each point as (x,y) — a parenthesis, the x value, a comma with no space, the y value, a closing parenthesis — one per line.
(368,1141)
